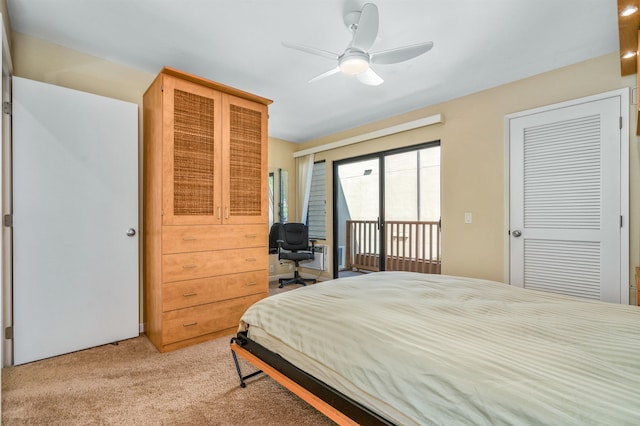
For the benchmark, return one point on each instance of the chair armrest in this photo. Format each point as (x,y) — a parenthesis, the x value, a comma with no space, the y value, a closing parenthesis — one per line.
(313,244)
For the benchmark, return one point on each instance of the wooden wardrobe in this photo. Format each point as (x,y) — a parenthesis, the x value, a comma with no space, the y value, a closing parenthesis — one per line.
(205,228)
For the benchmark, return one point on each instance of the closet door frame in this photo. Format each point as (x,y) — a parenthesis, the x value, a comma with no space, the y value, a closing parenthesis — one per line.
(618,118)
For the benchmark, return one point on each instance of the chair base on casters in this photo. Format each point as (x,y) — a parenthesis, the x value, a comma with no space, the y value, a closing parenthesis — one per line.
(297,279)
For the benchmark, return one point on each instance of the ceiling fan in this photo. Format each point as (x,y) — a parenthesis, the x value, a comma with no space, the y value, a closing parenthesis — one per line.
(356,59)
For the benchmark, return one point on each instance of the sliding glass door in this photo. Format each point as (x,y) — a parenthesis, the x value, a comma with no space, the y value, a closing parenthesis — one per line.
(357,201)
(387,211)
(412,210)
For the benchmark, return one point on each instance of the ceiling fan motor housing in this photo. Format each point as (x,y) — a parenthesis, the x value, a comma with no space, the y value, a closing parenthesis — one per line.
(351,20)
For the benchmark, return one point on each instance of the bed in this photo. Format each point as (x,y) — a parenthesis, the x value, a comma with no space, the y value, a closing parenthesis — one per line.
(409,348)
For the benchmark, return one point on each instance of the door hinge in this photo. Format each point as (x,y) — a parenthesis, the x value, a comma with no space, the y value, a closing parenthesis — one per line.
(620,221)
(620,123)
(8,220)
(7,108)
(8,333)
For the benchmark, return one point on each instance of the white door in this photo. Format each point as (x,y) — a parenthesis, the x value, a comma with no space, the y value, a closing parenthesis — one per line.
(568,198)
(75,198)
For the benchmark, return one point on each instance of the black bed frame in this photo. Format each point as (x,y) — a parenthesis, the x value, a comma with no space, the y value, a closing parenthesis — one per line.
(350,408)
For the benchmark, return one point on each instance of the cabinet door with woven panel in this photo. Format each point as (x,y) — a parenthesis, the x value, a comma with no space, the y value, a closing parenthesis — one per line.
(192,140)
(244,161)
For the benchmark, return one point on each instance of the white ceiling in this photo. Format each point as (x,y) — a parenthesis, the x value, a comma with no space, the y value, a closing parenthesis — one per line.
(478,44)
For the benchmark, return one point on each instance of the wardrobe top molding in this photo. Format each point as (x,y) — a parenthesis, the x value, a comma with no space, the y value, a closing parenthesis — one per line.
(217,86)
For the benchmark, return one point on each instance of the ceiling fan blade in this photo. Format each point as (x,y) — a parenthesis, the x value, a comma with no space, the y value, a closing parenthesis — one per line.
(400,54)
(367,29)
(370,78)
(312,50)
(325,74)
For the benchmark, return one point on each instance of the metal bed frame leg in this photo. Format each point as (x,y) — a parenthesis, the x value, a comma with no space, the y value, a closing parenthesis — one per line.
(243,384)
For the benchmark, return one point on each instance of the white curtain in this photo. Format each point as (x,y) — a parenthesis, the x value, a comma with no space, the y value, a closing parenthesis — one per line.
(304,170)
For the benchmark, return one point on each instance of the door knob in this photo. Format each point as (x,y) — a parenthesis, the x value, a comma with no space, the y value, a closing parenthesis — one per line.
(516,233)
(131,232)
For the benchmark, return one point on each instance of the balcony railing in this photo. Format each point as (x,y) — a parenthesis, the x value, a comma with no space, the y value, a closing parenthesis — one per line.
(409,246)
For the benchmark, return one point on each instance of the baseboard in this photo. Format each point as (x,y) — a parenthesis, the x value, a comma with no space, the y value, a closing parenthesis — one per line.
(141,327)
(277,277)
(302,274)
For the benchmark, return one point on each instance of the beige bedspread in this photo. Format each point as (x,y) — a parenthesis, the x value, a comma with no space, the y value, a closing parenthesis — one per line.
(435,349)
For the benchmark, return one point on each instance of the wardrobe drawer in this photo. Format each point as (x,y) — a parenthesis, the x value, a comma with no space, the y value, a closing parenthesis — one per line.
(193,322)
(186,266)
(189,238)
(184,294)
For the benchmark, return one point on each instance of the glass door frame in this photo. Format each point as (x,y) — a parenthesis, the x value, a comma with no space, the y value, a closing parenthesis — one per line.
(381,155)
(337,192)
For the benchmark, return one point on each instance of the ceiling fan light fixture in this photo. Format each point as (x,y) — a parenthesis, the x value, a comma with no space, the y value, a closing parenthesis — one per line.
(356,60)
(629,10)
(353,63)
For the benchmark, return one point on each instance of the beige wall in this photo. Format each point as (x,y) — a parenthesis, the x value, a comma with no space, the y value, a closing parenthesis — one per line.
(473,160)
(5,20)
(40,60)
(281,157)
(472,139)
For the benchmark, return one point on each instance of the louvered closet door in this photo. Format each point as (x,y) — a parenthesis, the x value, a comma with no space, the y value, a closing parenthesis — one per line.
(565,200)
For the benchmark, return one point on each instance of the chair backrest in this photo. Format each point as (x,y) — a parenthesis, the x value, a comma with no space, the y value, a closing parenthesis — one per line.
(295,236)
(275,233)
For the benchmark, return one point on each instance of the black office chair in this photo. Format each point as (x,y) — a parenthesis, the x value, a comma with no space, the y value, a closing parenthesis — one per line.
(291,242)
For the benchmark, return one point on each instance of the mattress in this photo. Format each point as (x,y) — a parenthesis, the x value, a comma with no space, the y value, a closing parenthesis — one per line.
(436,349)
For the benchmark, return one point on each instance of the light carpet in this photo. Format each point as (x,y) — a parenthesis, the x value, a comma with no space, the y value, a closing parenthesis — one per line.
(133,384)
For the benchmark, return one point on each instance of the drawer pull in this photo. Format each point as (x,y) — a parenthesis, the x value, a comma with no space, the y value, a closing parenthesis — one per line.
(250,259)
(251,283)
(250,235)
(189,266)
(189,239)
(219,212)
(191,324)
(189,294)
